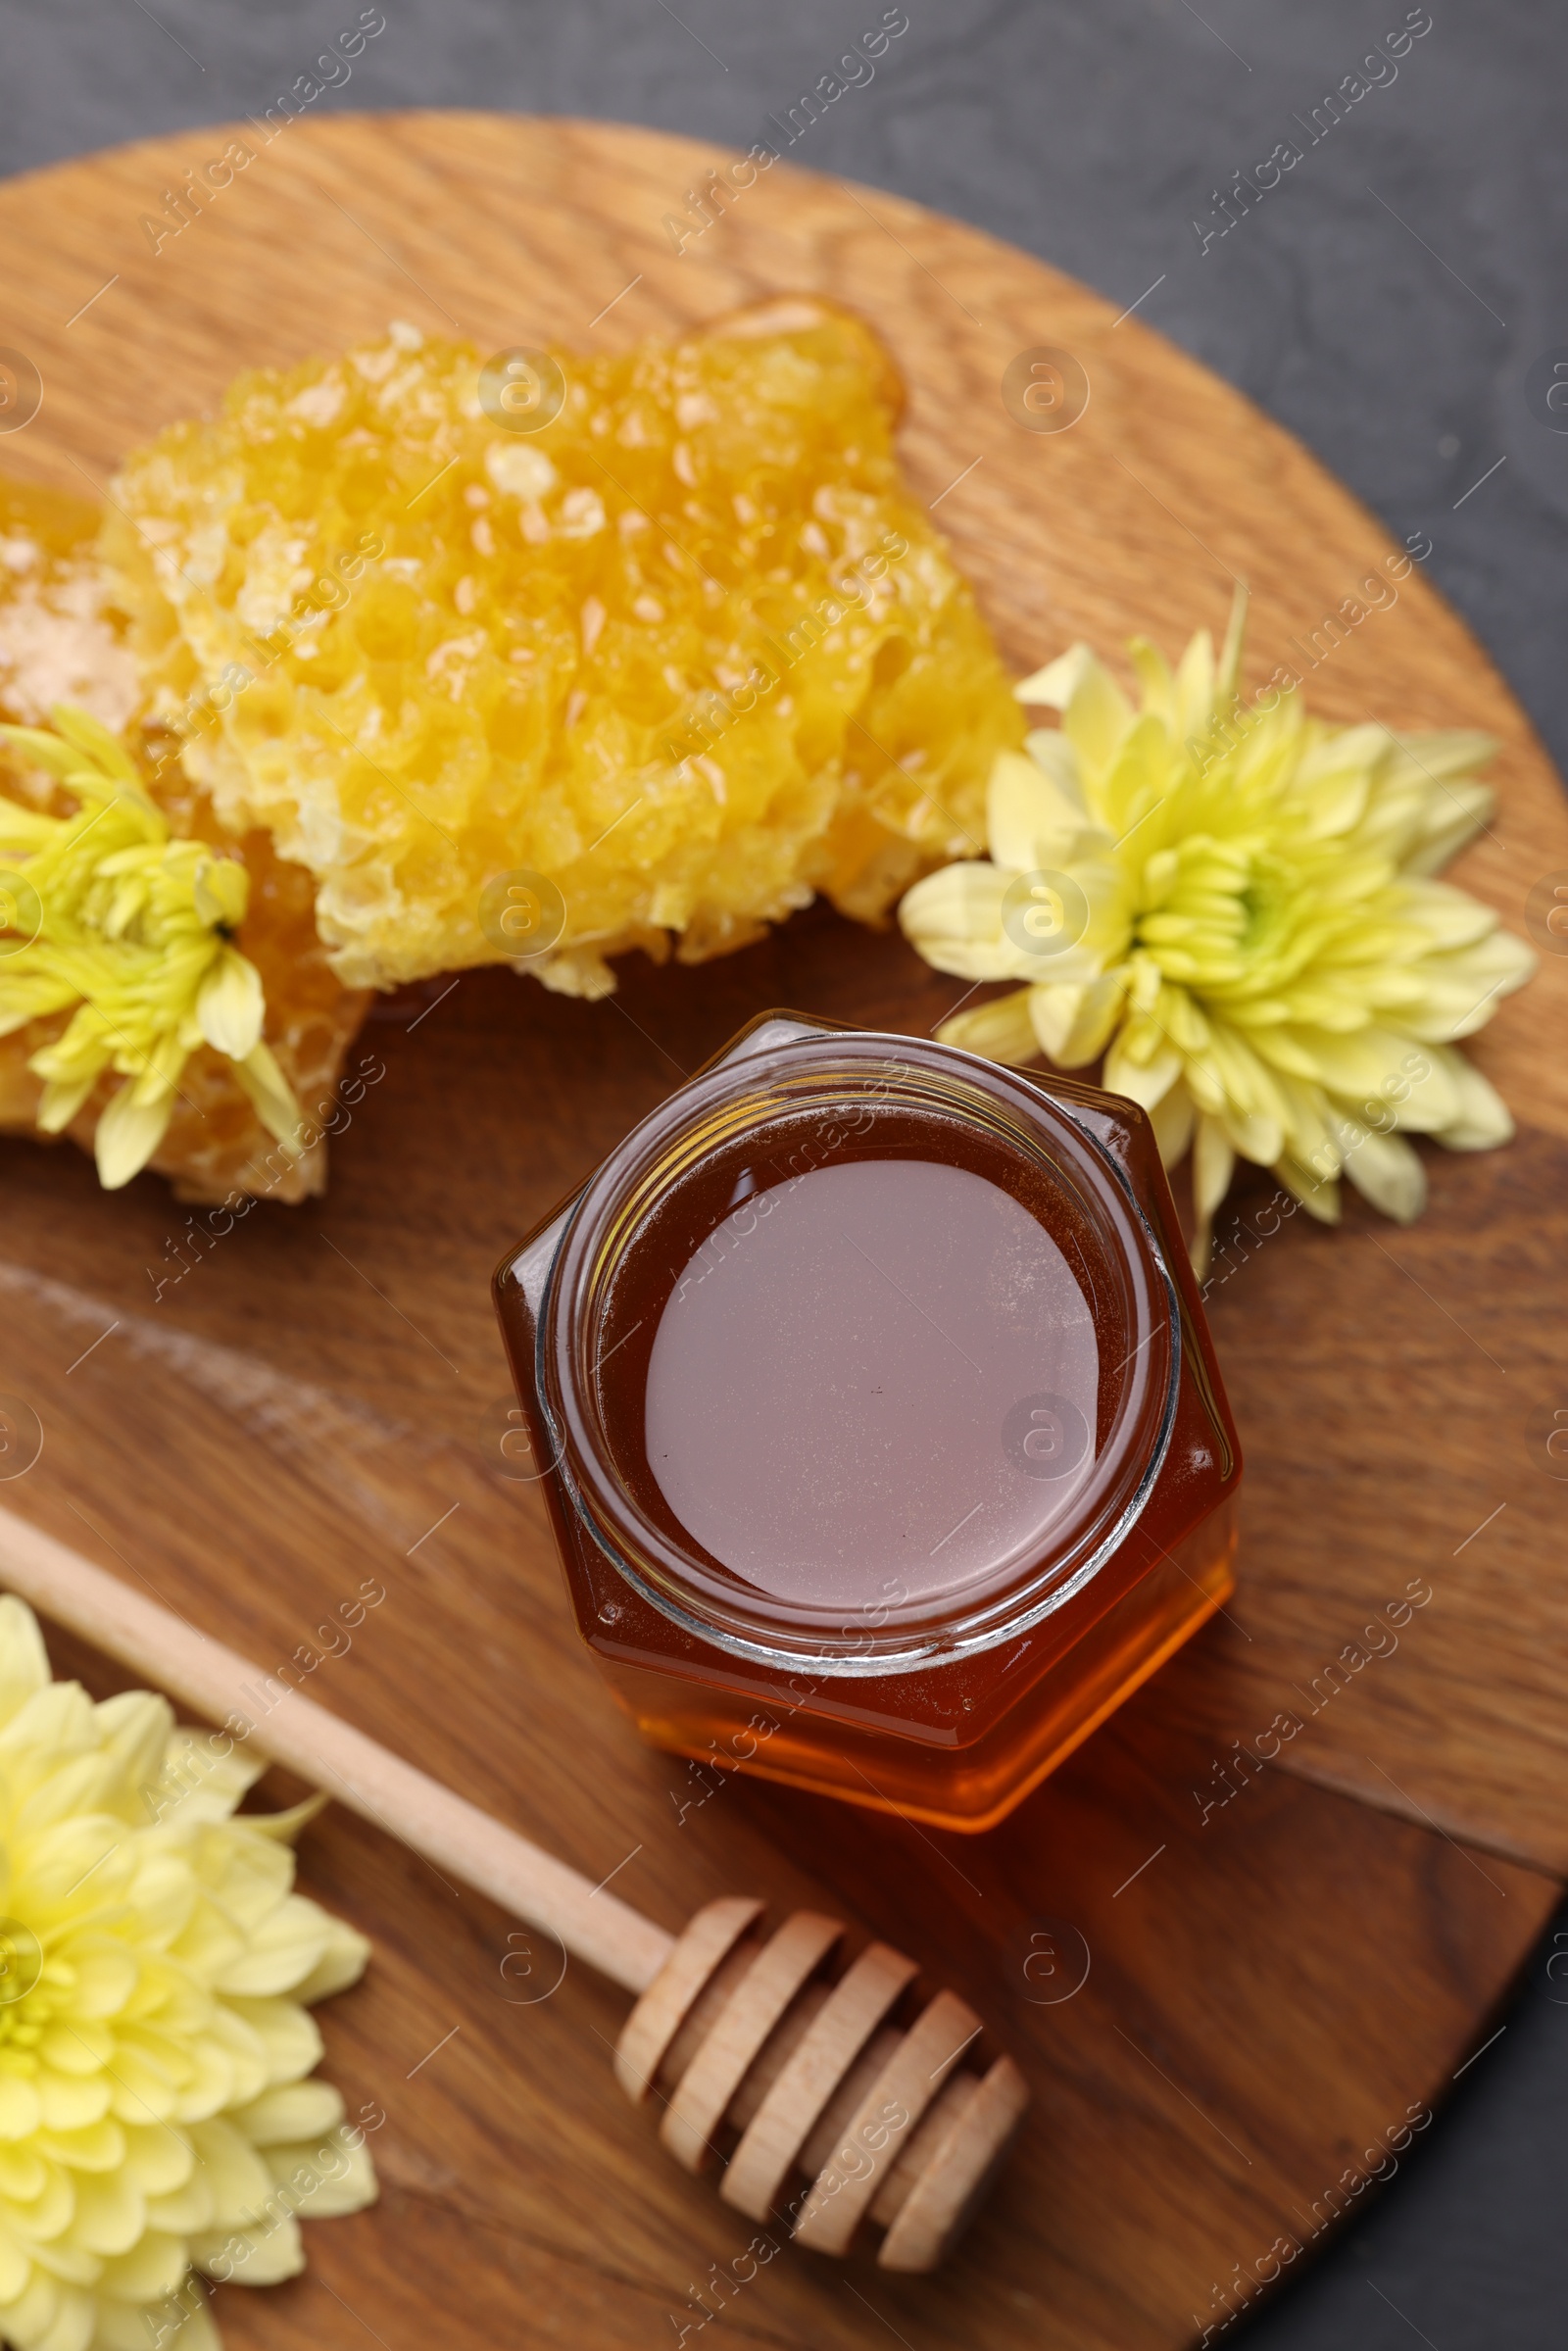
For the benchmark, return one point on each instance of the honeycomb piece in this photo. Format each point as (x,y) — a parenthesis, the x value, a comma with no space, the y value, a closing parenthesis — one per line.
(689,650)
(59,640)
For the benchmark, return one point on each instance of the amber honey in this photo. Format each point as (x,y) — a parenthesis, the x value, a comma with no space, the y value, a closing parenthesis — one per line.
(879,1424)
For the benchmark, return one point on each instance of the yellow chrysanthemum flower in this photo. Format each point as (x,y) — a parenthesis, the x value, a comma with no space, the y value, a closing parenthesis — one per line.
(154,2039)
(1234,905)
(106,913)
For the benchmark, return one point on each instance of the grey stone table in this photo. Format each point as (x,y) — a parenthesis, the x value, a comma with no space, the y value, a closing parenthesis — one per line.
(1391,300)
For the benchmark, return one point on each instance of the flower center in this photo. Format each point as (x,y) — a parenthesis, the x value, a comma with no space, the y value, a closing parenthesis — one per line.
(1261,897)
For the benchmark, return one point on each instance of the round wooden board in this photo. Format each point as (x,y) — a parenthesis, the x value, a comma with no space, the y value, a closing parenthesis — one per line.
(1271,1986)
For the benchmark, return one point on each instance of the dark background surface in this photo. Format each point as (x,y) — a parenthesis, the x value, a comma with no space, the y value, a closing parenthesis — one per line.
(1387,302)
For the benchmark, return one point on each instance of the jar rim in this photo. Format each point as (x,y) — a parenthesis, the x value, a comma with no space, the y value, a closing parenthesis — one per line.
(818,1066)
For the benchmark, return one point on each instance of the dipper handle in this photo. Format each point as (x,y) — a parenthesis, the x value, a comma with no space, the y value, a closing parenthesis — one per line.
(595,1927)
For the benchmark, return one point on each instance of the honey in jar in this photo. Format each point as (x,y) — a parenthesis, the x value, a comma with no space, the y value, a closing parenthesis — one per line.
(880,1426)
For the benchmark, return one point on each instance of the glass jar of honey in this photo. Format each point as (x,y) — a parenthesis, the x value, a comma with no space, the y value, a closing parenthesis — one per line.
(878,1416)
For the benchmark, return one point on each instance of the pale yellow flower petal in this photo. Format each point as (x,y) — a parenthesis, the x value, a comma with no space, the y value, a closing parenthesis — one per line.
(1450,917)
(953,919)
(50,752)
(81,2049)
(193,1782)
(183,2322)
(343,1961)
(209,2080)
(1142,1081)
(1032,825)
(235,2173)
(272,1094)
(102,2147)
(299,2110)
(127,1135)
(264,2255)
(1194,686)
(1318,1195)
(23,2173)
(104,1978)
(1443,827)
(1213,1160)
(164,1898)
(66,2103)
(1380,1065)
(243,2051)
(1155,685)
(24,1659)
(1053,687)
(1080,1018)
(1386,1170)
(1459,992)
(222,892)
(28,2315)
(1057,761)
(284,1827)
(152,2271)
(1052,1013)
(15,2271)
(196,2332)
(90,737)
(1174,1118)
(185,2211)
(1228,676)
(154,1076)
(1254,1137)
(46,2221)
(324,2181)
(289,2035)
(135,1727)
(1449,755)
(21,2108)
(229,1005)
(111,2213)
(1480,1117)
(63,1097)
(1097,718)
(247,1879)
(80,1785)
(1000,1030)
(74,2324)
(55,1722)
(282,1951)
(160,2161)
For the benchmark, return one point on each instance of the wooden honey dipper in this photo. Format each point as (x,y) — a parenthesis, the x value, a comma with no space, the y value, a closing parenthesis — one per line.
(745,2036)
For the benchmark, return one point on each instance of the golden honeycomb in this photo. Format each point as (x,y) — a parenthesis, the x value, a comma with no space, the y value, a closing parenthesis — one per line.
(687,649)
(61,640)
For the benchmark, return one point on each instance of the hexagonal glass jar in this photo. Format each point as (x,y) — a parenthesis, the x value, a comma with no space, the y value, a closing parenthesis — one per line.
(878,1419)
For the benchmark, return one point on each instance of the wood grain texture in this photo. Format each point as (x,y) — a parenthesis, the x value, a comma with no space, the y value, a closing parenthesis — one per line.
(1270,1986)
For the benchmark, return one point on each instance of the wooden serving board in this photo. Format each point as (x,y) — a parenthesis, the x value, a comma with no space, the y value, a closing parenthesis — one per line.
(1270,1989)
